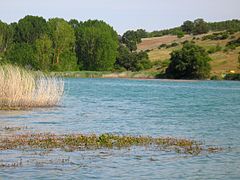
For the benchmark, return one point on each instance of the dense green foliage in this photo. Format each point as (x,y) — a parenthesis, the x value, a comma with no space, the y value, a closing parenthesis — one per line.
(199,26)
(22,54)
(188,26)
(233,77)
(96,45)
(42,45)
(132,61)
(190,62)
(6,34)
(63,44)
(58,45)
(44,52)
(132,38)
(29,29)
(230,25)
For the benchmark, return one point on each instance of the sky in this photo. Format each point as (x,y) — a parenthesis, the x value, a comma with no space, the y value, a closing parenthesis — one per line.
(124,15)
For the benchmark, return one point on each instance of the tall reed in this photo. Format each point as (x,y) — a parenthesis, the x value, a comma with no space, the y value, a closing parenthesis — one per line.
(20,88)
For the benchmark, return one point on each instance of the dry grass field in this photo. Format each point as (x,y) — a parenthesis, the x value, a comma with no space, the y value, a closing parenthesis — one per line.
(222,62)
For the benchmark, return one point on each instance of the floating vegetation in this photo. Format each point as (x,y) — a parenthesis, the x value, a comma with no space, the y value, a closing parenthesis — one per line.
(21,89)
(13,164)
(76,142)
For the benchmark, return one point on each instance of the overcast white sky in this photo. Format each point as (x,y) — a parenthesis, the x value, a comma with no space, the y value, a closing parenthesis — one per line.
(124,14)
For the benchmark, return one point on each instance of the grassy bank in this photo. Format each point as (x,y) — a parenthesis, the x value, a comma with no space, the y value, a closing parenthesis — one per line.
(106,74)
(21,89)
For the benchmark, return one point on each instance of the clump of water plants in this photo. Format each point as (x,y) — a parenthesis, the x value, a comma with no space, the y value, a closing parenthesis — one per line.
(84,142)
(20,88)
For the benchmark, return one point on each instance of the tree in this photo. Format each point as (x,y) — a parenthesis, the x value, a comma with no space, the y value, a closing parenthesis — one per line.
(191,62)
(131,39)
(96,45)
(200,27)
(132,61)
(6,34)
(62,36)
(180,34)
(142,33)
(44,52)
(22,54)
(74,23)
(187,27)
(29,29)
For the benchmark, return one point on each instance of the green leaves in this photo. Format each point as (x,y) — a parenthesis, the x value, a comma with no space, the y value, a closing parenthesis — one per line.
(132,61)
(62,35)
(6,34)
(29,29)
(191,62)
(44,52)
(96,45)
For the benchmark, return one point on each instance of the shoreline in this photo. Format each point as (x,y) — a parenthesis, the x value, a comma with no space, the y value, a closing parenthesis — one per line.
(141,75)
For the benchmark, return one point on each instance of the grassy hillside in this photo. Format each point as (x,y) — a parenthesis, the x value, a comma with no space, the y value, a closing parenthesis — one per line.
(222,61)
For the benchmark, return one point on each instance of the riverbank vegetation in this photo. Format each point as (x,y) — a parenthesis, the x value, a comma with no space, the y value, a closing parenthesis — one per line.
(59,45)
(21,89)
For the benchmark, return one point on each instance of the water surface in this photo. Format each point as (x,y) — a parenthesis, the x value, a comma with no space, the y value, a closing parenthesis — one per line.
(206,111)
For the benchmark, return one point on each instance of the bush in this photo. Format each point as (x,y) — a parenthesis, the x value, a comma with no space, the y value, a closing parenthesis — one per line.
(190,62)
(132,61)
(22,54)
(162,46)
(233,77)
(174,44)
(184,42)
(214,49)
(215,77)
(180,34)
(216,36)
(233,44)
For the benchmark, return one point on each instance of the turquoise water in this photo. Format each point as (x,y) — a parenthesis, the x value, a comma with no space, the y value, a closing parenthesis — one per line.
(207,111)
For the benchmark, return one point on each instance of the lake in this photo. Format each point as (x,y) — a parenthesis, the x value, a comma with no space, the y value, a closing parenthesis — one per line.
(206,111)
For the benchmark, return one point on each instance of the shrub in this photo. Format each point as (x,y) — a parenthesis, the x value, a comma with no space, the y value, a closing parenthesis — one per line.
(174,44)
(214,49)
(20,89)
(233,77)
(216,36)
(190,62)
(132,61)
(162,46)
(180,34)
(233,44)
(216,78)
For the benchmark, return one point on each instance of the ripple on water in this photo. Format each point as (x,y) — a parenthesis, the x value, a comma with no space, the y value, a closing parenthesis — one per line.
(208,111)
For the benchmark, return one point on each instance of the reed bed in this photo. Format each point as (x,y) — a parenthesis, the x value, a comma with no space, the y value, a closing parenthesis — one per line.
(21,89)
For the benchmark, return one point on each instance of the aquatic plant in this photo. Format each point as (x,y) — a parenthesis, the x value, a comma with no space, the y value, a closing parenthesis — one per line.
(20,88)
(74,142)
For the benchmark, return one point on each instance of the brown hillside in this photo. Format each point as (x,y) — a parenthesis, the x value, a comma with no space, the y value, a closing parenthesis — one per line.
(222,62)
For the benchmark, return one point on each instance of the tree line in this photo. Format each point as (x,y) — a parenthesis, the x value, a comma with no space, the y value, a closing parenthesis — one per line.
(60,45)
(199,26)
